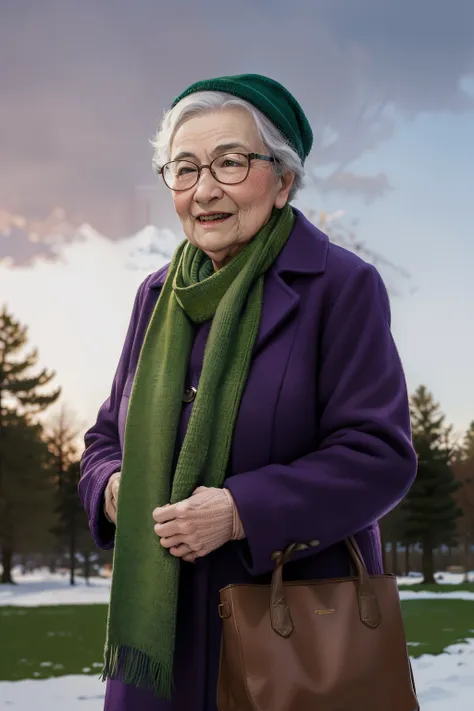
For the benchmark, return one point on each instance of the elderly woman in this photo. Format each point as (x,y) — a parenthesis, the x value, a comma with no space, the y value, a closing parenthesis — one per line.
(262,393)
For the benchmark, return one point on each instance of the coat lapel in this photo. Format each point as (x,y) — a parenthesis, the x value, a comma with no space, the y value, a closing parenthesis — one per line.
(280,303)
(304,254)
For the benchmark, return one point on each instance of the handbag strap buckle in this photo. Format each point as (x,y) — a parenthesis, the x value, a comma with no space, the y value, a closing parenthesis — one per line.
(224,611)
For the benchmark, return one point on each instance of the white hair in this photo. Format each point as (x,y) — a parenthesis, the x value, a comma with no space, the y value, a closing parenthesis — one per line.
(286,158)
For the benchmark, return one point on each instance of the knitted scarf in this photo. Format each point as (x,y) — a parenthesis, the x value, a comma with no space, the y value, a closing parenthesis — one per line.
(142,613)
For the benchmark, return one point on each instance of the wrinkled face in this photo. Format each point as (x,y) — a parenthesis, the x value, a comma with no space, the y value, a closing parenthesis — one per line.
(245,207)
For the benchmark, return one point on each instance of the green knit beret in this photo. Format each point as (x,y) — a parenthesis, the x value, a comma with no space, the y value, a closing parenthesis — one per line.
(271,98)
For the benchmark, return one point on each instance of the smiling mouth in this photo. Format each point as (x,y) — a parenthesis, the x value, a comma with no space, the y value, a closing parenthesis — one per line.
(217,217)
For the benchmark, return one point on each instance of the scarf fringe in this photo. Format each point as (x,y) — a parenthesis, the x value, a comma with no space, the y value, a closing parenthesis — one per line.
(135,667)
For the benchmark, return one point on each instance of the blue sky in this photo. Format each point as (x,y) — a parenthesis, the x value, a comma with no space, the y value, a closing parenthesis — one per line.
(388,88)
(425,225)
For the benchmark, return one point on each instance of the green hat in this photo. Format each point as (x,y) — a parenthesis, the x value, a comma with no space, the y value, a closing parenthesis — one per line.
(271,98)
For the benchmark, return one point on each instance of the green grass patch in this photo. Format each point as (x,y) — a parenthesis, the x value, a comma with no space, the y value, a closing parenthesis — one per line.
(42,642)
(433,625)
(439,587)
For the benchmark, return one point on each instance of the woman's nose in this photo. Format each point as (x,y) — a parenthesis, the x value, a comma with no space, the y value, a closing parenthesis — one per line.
(207,186)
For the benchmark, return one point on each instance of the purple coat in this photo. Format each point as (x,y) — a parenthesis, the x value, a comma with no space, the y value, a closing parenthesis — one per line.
(322,445)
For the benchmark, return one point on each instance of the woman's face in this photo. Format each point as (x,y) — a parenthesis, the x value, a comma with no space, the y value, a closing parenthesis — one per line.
(248,204)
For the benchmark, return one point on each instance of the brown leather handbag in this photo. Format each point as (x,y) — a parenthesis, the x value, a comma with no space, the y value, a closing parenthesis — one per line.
(322,645)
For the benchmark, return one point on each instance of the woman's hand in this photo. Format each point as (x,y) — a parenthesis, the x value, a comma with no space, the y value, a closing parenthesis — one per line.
(111,497)
(196,526)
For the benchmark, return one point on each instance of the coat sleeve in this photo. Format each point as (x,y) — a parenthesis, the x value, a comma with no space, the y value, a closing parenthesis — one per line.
(364,461)
(102,456)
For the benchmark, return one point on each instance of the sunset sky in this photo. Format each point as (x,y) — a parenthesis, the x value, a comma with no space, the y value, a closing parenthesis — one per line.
(388,88)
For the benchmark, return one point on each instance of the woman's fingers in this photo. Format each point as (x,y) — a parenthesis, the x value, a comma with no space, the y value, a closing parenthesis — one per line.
(190,557)
(181,551)
(173,542)
(173,528)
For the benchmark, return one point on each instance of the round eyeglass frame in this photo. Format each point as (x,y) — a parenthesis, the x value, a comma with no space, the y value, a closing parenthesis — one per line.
(249,156)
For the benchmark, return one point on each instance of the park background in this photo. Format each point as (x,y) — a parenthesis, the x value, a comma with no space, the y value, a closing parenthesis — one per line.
(389,90)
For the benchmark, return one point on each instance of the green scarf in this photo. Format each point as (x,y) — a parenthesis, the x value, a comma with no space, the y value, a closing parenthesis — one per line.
(142,614)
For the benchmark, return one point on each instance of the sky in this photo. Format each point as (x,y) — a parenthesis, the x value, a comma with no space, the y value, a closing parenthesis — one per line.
(388,88)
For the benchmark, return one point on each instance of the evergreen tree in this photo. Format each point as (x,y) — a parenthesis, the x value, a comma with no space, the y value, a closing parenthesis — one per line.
(430,506)
(27,490)
(21,396)
(62,439)
(464,472)
(72,528)
(392,529)
(468,443)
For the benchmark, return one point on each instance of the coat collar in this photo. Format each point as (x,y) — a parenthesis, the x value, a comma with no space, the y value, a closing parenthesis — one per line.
(304,253)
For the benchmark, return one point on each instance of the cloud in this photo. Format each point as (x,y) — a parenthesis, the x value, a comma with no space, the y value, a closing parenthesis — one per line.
(24,241)
(368,187)
(87,82)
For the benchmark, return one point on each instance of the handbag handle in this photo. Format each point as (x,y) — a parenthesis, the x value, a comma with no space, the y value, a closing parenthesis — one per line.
(369,609)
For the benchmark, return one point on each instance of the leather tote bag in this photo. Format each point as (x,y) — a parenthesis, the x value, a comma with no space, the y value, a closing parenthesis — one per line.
(322,645)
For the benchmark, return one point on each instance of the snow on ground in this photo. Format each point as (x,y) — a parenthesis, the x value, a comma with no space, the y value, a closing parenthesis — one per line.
(43,588)
(74,693)
(428,595)
(444,682)
(441,577)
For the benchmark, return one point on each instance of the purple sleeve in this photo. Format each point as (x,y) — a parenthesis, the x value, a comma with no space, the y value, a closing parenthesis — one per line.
(103,453)
(364,463)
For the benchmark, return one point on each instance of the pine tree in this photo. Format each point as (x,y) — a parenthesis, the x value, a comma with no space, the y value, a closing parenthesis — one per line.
(430,506)
(72,528)
(27,490)
(62,440)
(392,528)
(464,472)
(468,443)
(21,398)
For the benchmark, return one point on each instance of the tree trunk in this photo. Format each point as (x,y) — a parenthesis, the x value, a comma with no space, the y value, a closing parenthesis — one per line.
(72,545)
(383,544)
(467,559)
(407,559)
(87,567)
(428,563)
(7,559)
(395,570)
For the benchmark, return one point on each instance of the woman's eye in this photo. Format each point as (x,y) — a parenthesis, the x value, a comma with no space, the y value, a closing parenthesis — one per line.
(185,170)
(231,163)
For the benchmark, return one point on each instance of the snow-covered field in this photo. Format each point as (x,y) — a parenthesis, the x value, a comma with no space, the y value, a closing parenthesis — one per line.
(42,588)
(74,693)
(445,682)
(442,578)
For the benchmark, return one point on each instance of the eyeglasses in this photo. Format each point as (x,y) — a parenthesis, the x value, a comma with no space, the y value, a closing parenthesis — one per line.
(228,169)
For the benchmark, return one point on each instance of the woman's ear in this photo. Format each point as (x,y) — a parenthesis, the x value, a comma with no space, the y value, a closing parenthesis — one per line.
(286,182)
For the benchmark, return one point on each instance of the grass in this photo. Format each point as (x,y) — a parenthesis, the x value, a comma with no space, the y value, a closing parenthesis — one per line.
(51,641)
(433,625)
(44,642)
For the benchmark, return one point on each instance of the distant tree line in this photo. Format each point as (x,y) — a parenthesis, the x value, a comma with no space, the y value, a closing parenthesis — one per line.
(438,511)
(40,513)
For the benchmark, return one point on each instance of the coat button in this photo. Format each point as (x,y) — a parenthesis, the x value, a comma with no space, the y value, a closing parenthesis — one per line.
(189,394)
